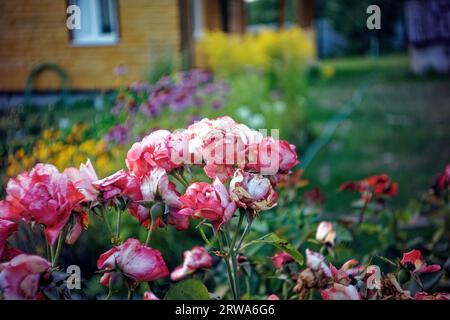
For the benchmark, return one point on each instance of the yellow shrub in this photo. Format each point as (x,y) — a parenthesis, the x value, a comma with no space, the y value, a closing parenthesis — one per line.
(67,151)
(228,53)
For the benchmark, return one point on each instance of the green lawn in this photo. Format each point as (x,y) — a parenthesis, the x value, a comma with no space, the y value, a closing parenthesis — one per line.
(402,128)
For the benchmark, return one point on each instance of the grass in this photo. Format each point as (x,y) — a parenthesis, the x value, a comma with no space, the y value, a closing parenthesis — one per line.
(402,128)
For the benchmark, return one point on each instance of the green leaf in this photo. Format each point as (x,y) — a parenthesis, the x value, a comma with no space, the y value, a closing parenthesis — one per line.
(283,245)
(188,290)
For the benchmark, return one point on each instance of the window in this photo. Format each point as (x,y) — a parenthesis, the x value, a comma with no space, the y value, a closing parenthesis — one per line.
(197,9)
(99,23)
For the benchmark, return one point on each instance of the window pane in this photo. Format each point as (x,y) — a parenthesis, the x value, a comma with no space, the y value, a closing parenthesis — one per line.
(107,16)
(87,19)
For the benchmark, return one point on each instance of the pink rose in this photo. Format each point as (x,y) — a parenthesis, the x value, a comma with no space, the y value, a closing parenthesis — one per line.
(134,260)
(435,296)
(20,277)
(252,191)
(208,201)
(80,223)
(222,144)
(273,297)
(119,184)
(281,258)
(347,273)
(197,258)
(158,188)
(414,263)
(316,262)
(82,179)
(272,156)
(127,186)
(153,151)
(148,295)
(326,234)
(372,277)
(6,229)
(340,292)
(43,195)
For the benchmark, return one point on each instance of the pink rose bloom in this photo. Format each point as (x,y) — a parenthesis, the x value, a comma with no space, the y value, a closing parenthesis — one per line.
(122,184)
(43,195)
(281,258)
(326,234)
(134,260)
(373,277)
(82,179)
(81,222)
(197,258)
(273,297)
(220,171)
(208,201)
(157,187)
(435,296)
(316,262)
(10,210)
(443,180)
(119,184)
(222,144)
(414,263)
(20,277)
(272,157)
(150,153)
(340,292)
(148,295)
(252,191)
(347,273)
(6,229)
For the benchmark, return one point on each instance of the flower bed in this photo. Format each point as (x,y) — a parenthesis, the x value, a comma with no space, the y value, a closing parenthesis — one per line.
(234,187)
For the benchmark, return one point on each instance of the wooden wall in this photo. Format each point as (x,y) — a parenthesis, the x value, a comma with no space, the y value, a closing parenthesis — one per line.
(34,32)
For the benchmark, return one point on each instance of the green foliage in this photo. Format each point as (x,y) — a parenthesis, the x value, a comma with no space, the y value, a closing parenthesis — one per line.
(188,290)
(349,18)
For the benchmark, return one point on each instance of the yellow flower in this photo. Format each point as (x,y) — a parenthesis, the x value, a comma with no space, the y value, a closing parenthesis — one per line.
(226,53)
(328,72)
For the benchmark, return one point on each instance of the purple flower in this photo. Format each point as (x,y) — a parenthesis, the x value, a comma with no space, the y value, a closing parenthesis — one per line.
(119,134)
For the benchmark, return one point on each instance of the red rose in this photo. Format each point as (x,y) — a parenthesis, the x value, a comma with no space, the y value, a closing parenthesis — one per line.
(372,187)
(414,263)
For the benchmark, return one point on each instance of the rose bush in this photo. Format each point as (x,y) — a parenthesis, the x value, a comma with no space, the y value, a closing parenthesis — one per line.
(231,185)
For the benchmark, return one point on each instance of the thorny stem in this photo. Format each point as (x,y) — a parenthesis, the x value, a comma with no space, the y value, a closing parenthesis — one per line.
(58,250)
(227,264)
(233,251)
(119,216)
(244,234)
(104,216)
(110,292)
(362,212)
(150,230)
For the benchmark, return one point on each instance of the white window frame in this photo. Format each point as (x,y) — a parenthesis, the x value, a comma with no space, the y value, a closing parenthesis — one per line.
(92,9)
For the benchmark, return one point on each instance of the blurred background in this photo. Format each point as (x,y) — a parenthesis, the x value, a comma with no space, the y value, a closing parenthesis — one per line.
(355,101)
